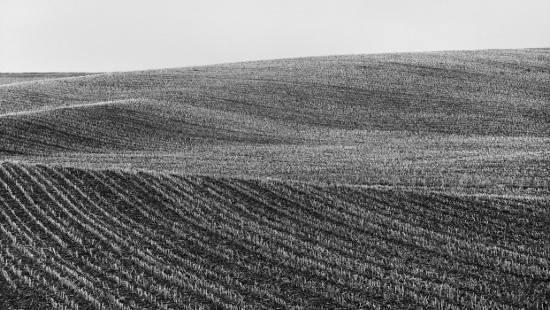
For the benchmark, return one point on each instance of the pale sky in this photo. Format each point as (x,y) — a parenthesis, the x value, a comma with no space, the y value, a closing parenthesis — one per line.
(123,35)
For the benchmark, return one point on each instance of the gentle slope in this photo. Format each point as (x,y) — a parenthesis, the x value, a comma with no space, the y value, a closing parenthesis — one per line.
(475,119)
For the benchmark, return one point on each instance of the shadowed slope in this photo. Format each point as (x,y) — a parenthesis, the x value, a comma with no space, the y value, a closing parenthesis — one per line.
(112,239)
(503,92)
(130,125)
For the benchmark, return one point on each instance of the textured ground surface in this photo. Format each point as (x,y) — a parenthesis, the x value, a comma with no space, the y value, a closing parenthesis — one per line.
(471,121)
(241,185)
(82,239)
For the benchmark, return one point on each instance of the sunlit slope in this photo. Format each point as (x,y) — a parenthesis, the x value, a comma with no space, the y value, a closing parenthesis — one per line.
(12,78)
(103,239)
(501,92)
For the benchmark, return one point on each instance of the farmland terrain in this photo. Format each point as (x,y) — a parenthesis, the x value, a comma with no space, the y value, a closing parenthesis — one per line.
(474,120)
(392,181)
(112,239)
(12,78)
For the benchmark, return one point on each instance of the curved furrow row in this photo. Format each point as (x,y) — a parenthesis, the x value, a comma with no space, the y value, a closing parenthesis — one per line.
(92,241)
(371,249)
(294,250)
(186,219)
(446,239)
(223,257)
(453,220)
(222,234)
(111,243)
(27,205)
(259,234)
(419,233)
(514,268)
(157,212)
(155,253)
(106,239)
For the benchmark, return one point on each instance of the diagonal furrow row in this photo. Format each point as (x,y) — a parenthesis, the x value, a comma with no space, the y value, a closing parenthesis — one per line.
(382,262)
(19,194)
(412,209)
(153,188)
(287,244)
(418,235)
(141,240)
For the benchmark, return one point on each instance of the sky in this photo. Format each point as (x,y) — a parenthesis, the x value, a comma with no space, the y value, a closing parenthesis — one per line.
(125,35)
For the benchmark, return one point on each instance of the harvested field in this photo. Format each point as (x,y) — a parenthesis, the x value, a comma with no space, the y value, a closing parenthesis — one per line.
(12,78)
(113,239)
(474,121)
(391,181)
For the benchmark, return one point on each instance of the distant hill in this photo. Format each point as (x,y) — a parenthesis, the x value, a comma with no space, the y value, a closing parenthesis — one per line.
(501,92)
(354,119)
(11,78)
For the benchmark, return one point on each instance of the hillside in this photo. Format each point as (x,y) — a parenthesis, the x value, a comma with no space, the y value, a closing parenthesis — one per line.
(474,121)
(12,78)
(502,92)
(130,124)
(112,239)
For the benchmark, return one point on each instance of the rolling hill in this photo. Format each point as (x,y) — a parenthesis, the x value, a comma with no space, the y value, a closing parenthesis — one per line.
(13,78)
(392,181)
(503,92)
(477,120)
(112,239)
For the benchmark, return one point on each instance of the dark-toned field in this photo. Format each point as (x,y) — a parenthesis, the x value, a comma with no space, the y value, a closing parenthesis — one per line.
(119,240)
(395,181)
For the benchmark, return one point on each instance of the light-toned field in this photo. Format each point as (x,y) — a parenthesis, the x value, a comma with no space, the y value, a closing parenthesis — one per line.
(457,120)
(13,78)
